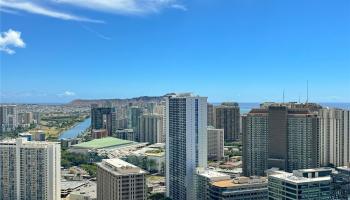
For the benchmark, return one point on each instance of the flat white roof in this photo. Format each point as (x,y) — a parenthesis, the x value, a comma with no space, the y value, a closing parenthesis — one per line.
(289,177)
(23,141)
(213,174)
(346,168)
(120,167)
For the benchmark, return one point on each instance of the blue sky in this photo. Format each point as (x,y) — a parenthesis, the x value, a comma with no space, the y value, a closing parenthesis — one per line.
(239,50)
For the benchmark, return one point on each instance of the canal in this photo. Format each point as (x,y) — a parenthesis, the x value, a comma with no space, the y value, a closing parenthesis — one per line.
(76,130)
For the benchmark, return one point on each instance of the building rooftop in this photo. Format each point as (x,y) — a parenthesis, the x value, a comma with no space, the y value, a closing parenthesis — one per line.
(292,178)
(212,174)
(240,181)
(87,190)
(120,167)
(156,150)
(103,143)
(25,134)
(345,168)
(24,141)
(185,95)
(71,185)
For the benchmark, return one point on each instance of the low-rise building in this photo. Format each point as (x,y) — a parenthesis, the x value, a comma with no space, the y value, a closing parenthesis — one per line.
(301,184)
(26,135)
(103,143)
(155,156)
(38,135)
(243,188)
(204,178)
(67,186)
(85,192)
(68,142)
(343,179)
(99,133)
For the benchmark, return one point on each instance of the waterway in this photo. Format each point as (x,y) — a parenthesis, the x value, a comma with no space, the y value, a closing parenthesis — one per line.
(76,130)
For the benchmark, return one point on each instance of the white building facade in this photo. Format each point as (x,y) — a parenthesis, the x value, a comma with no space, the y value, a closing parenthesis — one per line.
(215,143)
(334,127)
(30,170)
(186,143)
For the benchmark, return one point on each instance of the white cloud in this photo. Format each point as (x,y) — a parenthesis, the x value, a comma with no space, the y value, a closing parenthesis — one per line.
(134,7)
(10,39)
(179,6)
(66,94)
(31,7)
(9,11)
(127,7)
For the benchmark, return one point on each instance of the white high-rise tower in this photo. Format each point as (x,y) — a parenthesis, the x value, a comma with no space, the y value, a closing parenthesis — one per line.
(30,170)
(186,143)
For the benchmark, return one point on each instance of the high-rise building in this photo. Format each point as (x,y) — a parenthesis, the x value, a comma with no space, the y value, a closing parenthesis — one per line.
(122,123)
(279,136)
(301,184)
(103,118)
(125,134)
(186,143)
(134,114)
(255,141)
(243,188)
(211,114)
(227,117)
(25,119)
(150,107)
(8,118)
(119,180)
(30,170)
(151,128)
(334,127)
(215,143)
(36,117)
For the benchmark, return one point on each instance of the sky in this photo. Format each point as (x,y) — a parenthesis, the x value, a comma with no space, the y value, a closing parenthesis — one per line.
(54,51)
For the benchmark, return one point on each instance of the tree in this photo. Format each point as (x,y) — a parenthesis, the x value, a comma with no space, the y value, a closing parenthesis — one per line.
(152,164)
(158,196)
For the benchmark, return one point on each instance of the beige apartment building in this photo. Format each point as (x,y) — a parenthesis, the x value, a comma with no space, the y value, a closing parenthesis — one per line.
(117,180)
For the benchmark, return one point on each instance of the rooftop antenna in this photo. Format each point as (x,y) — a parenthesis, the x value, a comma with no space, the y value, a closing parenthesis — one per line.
(299,99)
(283,96)
(307,91)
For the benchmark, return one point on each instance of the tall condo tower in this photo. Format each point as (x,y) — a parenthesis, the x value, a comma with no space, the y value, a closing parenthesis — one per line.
(282,136)
(186,143)
(30,170)
(227,117)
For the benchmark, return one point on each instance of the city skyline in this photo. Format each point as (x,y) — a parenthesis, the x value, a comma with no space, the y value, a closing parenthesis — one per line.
(174,99)
(228,51)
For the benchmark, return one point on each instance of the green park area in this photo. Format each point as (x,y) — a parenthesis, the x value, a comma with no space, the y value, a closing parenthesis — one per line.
(85,161)
(54,125)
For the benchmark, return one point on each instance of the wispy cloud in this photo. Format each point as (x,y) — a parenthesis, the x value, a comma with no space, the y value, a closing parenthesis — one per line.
(9,39)
(132,7)
(66,94)
(179,6)
(100,35)
(9,11)
(34,8)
